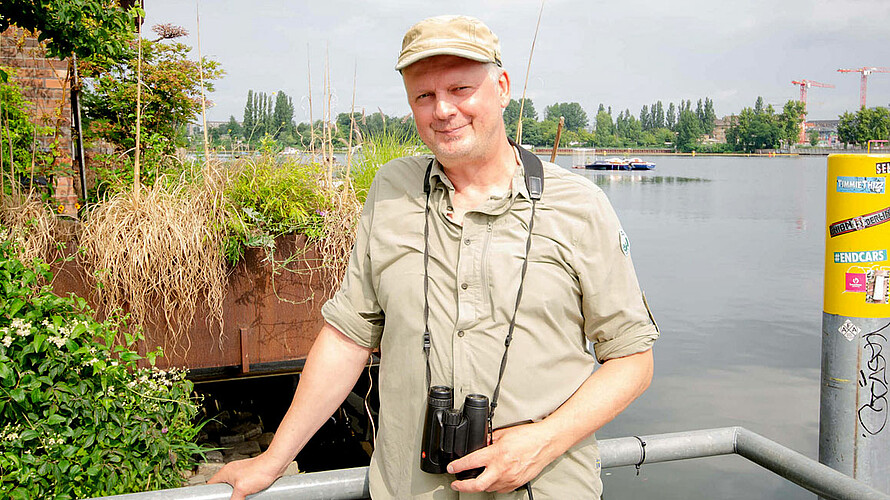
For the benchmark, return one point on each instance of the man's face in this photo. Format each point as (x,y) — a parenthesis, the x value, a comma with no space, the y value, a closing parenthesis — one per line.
(457,106)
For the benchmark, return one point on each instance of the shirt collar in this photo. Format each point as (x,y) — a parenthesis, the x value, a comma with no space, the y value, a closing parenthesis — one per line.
(437,176)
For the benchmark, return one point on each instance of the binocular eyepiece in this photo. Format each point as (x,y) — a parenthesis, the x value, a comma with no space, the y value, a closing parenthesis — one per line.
(449,434)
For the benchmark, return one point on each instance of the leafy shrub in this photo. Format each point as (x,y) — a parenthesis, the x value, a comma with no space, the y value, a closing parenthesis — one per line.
(270,198)
(79,418)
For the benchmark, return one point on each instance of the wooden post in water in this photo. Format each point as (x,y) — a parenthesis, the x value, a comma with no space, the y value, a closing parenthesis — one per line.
(854,416)
(562,121)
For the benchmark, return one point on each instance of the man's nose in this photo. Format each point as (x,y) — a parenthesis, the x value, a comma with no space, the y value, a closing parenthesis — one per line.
(444,109)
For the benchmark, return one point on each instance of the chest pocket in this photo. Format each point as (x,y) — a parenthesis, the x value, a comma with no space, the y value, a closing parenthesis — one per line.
(551,285)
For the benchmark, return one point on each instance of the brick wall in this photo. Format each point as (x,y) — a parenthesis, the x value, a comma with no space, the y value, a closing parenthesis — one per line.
(44,82)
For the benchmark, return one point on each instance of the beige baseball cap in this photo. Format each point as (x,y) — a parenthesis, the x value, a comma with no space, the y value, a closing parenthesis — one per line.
(461,36)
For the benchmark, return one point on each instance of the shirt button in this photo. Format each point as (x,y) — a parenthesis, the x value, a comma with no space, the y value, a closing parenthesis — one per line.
(467,241)
(460,333)
(464,286)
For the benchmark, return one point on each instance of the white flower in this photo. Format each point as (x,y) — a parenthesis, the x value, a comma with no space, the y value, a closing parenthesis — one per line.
(58,341)
(7,341)
(21,328)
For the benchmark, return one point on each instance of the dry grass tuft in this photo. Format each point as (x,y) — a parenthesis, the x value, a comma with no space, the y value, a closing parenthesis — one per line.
(340,223)
(158,252)
(30,222)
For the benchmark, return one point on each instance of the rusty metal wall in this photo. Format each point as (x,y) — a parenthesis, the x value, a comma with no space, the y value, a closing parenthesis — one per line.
(269,323)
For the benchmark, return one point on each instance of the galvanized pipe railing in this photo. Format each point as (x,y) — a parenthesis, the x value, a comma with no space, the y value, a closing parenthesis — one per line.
(347,484)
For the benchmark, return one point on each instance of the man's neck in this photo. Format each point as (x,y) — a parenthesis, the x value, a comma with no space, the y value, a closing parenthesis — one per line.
(491,174)
(479,179)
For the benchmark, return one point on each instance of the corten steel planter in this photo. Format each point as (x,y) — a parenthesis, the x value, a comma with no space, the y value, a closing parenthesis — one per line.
(269,323)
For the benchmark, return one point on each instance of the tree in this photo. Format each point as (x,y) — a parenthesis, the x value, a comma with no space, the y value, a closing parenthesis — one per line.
(85,28)
(644,117)
(688,130)
(754,129)
(790,121)
(605,130)
(171,96)
(283,117)
(659,115)
(511,116)
(671,118)
(574,114)
(865,125)
(813,136)
(708,117)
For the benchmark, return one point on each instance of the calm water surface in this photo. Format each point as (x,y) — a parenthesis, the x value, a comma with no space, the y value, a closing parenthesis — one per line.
(730,254)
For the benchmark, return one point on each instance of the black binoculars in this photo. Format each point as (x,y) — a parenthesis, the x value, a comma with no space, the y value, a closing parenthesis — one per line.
(449,434)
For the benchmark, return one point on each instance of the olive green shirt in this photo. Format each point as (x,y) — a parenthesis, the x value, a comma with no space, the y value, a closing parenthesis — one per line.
(580,286)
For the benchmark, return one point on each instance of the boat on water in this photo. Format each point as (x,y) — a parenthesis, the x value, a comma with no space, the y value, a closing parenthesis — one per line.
(621,164)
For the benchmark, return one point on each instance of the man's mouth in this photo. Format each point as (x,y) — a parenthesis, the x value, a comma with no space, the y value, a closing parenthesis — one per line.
(449,130)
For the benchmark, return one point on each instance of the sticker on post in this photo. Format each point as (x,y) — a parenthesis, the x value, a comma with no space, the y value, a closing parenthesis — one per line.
(877,286)
(854,282)
(859,223)
(882,167)
(849,330)
(866,185)
(857,257)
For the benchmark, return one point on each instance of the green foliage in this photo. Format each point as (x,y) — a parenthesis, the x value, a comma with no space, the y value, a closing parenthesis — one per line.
(511,116)
(80,419)
(270,198)
(688,130)
(813,137)
(790,121)
(87,28)
(378,149)
(171,97)
(574,114)
(761,128)
(17,128)
(865,125)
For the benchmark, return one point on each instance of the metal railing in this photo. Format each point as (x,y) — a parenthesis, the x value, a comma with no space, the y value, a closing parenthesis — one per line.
(353,483)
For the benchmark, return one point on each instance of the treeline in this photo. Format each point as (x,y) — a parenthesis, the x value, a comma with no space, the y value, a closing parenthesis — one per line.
(268,123)
(656,126)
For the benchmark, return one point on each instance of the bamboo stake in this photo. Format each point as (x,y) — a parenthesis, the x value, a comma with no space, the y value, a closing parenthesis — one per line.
(201,79)
(562,121)
(2,172)
(351,126)
(13,185)
(33,160)
(311,123)
(136,173)
(528,70)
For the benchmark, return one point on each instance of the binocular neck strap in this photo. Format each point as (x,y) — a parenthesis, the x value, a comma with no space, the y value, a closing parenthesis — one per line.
(534,181)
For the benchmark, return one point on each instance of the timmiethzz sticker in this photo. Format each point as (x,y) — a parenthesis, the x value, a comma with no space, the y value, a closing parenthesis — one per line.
(866,185)
(859,223)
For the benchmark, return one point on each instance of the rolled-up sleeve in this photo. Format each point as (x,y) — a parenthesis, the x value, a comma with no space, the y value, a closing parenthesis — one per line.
(354,309)
(616,317)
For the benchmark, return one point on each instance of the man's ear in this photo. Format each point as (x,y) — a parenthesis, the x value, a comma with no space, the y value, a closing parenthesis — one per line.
(504,89)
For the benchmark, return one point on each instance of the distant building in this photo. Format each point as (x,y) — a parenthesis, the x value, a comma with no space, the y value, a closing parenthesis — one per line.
(718,136)
(827,130)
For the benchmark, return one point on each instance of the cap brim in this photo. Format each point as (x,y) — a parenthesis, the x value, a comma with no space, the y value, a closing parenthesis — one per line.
(441,51)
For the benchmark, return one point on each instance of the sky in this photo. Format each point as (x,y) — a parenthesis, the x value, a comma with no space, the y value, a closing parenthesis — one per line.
(622,54)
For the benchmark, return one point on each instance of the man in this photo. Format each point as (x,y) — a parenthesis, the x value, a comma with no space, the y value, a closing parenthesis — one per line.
(461,225)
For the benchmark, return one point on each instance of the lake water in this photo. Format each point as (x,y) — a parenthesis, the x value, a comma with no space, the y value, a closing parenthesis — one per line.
(729,252)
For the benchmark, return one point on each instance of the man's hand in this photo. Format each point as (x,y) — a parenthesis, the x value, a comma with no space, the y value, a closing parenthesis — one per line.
(515,456)
(248,476)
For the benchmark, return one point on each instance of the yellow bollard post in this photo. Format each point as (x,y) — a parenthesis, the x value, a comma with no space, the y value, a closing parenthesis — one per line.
(854,431)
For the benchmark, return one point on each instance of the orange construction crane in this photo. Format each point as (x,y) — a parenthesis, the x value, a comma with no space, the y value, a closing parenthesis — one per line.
(863,83)
(804,85)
